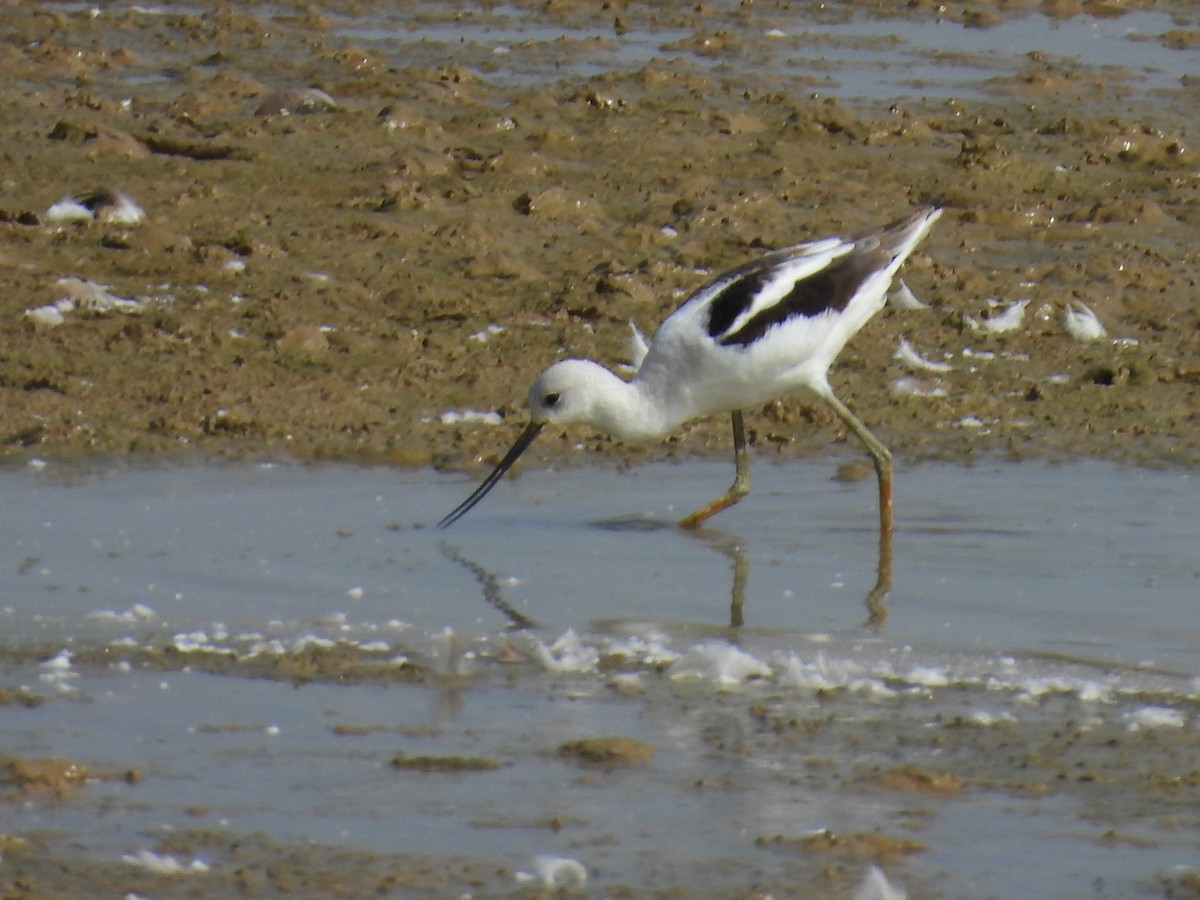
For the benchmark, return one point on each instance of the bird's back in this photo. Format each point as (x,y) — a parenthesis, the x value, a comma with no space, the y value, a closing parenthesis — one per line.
(776,321)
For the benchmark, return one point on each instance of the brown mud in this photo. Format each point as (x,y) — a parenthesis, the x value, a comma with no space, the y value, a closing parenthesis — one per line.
(328,285)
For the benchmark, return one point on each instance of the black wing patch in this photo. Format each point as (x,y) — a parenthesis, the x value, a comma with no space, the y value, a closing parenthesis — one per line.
(830,289)
(734,300)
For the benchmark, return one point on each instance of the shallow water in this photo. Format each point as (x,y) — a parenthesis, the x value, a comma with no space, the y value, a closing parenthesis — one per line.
(846,55)
(1025,597)
(1085,558)
(835,51)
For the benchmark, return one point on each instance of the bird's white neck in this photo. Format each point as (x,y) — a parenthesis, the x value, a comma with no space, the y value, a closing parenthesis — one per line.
(630,410)
(587,393)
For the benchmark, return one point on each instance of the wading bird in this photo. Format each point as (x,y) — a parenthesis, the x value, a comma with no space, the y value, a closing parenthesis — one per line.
(762,330)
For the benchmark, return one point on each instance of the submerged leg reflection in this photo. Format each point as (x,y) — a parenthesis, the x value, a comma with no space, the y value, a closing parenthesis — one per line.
(877,597)
(732,547)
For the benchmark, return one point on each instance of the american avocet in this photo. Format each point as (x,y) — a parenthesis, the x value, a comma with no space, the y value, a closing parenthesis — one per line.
(755,333)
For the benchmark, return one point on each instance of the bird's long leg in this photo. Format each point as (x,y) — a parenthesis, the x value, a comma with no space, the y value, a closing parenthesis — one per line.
(882,457)
(879,454)
(741,479)
(877,596)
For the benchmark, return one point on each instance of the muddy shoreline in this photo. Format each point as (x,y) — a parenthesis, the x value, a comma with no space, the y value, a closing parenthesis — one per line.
(330,285)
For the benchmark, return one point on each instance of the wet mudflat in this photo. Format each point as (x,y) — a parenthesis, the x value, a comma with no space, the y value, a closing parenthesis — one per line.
(359,223)
(324,692)
(365,230)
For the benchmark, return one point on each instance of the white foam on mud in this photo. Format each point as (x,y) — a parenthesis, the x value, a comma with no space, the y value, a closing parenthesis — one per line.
(554,872)
(567,654)
(1154,717)
(164,864)
(717,661)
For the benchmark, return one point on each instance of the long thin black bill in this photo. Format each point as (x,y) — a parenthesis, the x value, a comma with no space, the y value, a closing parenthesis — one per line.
(523,442)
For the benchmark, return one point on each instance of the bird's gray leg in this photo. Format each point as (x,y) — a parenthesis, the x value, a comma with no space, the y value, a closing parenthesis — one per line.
(880,454)
(877,597)
(741,479)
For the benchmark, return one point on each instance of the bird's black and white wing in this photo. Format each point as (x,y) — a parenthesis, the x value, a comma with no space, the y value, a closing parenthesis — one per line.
(804,281)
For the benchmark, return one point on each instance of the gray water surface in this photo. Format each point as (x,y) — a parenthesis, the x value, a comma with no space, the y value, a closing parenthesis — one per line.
(1026,592)
(1083,558)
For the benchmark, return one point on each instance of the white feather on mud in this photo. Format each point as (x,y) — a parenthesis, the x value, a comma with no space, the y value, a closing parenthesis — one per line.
(1002,322)
(101,205)
(1081,323)
(907,354)
(903,297)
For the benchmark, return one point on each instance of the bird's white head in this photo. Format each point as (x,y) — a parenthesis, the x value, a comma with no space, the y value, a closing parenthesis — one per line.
(581,391)
(567,392)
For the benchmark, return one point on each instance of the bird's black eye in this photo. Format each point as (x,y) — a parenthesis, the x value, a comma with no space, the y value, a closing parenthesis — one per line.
(550,399)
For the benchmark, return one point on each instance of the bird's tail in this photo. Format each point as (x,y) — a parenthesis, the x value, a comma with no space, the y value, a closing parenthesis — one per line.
(900,237)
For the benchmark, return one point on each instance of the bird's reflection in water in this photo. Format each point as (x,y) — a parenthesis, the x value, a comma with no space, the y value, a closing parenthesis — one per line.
(728,545)
(517,621)
(732,548)
(877,596)
(447,651)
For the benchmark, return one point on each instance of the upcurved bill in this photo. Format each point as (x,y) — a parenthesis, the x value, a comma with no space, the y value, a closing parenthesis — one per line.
(523,442)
